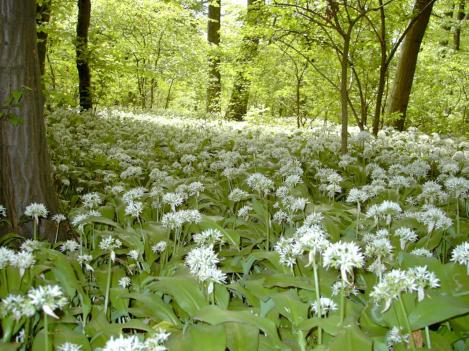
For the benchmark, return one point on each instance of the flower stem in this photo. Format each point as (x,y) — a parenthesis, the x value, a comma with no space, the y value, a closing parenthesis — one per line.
(342,303)
(318,298)
(407,323)
(428,340)
(35,229)
(56,233)
(108,286)
(457,216)
(46,333)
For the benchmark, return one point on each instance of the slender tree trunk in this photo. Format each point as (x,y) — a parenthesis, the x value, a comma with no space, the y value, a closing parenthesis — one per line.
(238,105)
(42,19)
(405,71)
(84,74)
(168,96)
(213,37)
(25,173)
(459,16)
(383,67)
(344,94)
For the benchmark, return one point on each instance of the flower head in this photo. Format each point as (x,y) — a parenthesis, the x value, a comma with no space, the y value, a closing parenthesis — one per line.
(36,210)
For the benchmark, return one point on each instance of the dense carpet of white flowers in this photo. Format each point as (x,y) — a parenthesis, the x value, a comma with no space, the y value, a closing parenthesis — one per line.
(210,235)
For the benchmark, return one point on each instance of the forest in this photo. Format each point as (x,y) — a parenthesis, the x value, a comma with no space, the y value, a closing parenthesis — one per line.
(234,175)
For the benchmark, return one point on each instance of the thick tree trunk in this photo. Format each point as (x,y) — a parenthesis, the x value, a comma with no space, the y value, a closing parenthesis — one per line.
(405,71)
(42,19)
(459,16)
(213,37)
(238,105)
(25,174)
(84,75)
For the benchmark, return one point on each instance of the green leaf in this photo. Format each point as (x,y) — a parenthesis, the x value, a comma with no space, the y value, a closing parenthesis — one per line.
(240,337)
(151,306)
(208,338)
(351,338)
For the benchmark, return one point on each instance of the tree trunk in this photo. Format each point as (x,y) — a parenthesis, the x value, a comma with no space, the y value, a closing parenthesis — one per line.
(25,174)
(405,71)
(238,105)
(344,94)
(459,16)
(213,37)
(84,75)
(42,19)
(382,70)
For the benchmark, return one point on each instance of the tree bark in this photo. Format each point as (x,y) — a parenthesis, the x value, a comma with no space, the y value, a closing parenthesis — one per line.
(25,173)
(84,74)
(213,37)
(405,71)
(459,16)
(238,105)
(42,19)
(344,93)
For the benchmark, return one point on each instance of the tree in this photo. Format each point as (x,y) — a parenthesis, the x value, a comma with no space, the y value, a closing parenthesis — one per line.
(238,104)
(42,19)
(405,71)
(84,74)
(25,174)
(459,16)
(213,38)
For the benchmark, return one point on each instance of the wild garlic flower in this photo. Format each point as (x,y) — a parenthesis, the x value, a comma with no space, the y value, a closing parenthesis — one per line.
(458,186)
(295,204)
(134,194)
(30,245)
(423,279)
(391,286)
(134,254)
(434,218)
(159,247)
(6,256)
(314,218)
(124,282)
(327,305)
(422,252)
(195,188)
(175,220)
(47,298)
(288,249)
(344,256)
(260,183)
(202,263)
(237,195)
(156,341)
(174,199)
(395,336)
(131,172)
(208,237)
(406,235)
(36,210)
(91,200)
(68,346)
(69,246)
(84,260)
(460,255)
(431,192)
(58,218)
(124,343)
(3,211)
(281,217)
(17,305)
(134,209)
(110,244)
(387,210)
(357,196)
(23,260)
(292,180)
(244,212)
(312,239)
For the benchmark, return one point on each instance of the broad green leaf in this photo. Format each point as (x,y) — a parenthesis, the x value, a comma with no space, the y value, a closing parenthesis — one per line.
(208,337)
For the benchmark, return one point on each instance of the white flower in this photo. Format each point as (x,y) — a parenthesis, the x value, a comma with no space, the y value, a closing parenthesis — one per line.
(423,279)
(131,172)
(207,237)
(357,196)
(243,212)
(422,252)
(110,244)
(281,217)
(124,282)
(202,263)
(30,245)
(6,256)
(48,298)
(174,199)
(17,305)
(57,218)
(70,246)
(238,195)
(260,183)
(391,286)
(405,235)
(134,194)
(134,209)
(68,346)
(3,211)
(344,256)
(23,260)
(288,249)
(134,254)
(327,305)
(155,342)
(395,336)
(84,260)
(459,187)
(124,343)
(159,247)
(195,188)
(460,255)
(91,200)
(36,210)
(434,218)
